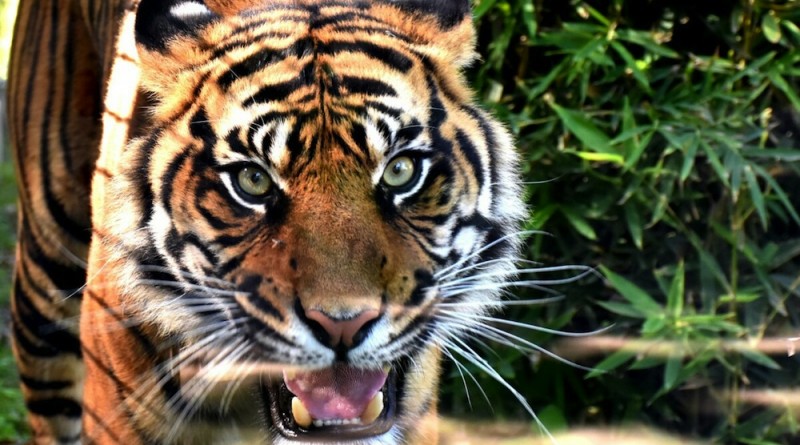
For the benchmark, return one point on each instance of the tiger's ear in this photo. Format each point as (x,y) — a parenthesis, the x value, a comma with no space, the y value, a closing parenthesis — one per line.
(448,13)
(159,21)
(445,25)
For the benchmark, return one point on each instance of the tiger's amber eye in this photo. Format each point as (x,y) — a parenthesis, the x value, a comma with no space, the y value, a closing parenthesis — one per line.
(254,181)
(399,172)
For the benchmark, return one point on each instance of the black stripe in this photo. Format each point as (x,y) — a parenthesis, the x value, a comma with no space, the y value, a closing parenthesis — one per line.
(424,280)
(23,342)
(68,72)
(318,23)
(200,128)
(68,278)
(193,240)
(278,92)
(264,58)
(81,232)
(141,179)
(473,157)
(169,178)
(368,86)
(210,188)
(57,340)
(491,145)
(251,287)
(392,58)
(55,406)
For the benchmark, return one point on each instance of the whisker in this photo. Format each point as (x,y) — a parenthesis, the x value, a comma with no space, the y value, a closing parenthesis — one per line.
(585,270)
(534,327)
(188,286)
(186,274)
(465,351)
(509,339)
(486,247)
(543,282)
(501,303)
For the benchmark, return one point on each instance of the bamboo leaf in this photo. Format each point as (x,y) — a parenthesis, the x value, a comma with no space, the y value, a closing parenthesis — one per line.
(771,26)
(640,299)
(583,128)
(676,292)
(635,226)
(579,223)
(756,195)
(611,363)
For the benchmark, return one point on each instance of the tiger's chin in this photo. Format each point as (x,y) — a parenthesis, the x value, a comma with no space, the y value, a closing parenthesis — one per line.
(336,404)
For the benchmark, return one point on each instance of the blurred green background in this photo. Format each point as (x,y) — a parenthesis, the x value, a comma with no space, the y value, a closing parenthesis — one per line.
(661,140)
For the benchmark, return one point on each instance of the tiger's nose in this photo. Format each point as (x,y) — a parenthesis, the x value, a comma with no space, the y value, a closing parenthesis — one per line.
(349,331)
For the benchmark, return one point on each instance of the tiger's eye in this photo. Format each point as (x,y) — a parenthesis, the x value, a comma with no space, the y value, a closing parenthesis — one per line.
(254,181)
(399,172)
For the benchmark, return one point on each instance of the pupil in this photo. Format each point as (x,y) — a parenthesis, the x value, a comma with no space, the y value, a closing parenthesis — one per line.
(399,168)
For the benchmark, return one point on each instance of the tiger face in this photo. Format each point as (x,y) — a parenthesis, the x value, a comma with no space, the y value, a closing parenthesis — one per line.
(314,212)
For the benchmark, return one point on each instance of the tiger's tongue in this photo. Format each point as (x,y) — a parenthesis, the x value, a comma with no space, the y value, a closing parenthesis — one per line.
(339,392)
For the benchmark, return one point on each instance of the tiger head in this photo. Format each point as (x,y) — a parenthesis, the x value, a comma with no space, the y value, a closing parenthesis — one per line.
(319,203)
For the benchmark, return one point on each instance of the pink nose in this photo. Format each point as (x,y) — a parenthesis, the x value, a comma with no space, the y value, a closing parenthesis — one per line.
(342,331)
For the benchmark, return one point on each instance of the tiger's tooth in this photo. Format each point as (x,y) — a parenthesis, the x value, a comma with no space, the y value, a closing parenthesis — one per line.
(290,373)
(373,410)
(300,413)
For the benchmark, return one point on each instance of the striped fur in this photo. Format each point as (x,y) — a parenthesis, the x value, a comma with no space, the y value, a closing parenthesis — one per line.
(197,293)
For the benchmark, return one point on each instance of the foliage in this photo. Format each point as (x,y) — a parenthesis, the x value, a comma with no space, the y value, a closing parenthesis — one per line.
(661,143)
(12,414)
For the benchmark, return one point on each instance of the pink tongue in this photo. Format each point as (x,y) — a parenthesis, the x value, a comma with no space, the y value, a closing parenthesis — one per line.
(340,392)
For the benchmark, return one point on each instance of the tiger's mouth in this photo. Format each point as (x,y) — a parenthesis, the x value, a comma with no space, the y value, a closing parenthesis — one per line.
(336,403)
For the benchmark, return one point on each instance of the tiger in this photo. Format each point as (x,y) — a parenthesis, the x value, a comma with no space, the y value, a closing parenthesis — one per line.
(251,221)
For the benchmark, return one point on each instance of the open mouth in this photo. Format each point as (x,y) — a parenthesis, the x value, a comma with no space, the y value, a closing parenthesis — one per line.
(336,403)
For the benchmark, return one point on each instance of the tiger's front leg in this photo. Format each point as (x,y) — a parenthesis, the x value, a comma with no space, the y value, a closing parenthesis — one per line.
(55,83)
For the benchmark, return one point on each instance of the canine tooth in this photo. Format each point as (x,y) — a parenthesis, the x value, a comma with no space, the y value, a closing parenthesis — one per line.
(290,373)
(300,413)
(374,409)
(318,423)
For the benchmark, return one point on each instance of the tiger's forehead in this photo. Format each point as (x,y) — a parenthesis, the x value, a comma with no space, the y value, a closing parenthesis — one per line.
(319,83)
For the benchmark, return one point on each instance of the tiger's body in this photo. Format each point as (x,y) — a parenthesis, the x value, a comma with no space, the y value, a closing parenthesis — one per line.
(296,208)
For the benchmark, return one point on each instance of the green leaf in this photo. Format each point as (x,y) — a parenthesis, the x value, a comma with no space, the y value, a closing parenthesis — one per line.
(715,162)
(756,195)
(600,157)
(583,128)
(640,299)
(676,292)
(672,372)
(635,226)
(771,26)
(579,222)
(784,86)
(782,197)
(760,358)
(610,363)
(792,29)
(553,418)
(653,326)
(688,159)
(631,65)
(529,18)
(482,8)
(623,309)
